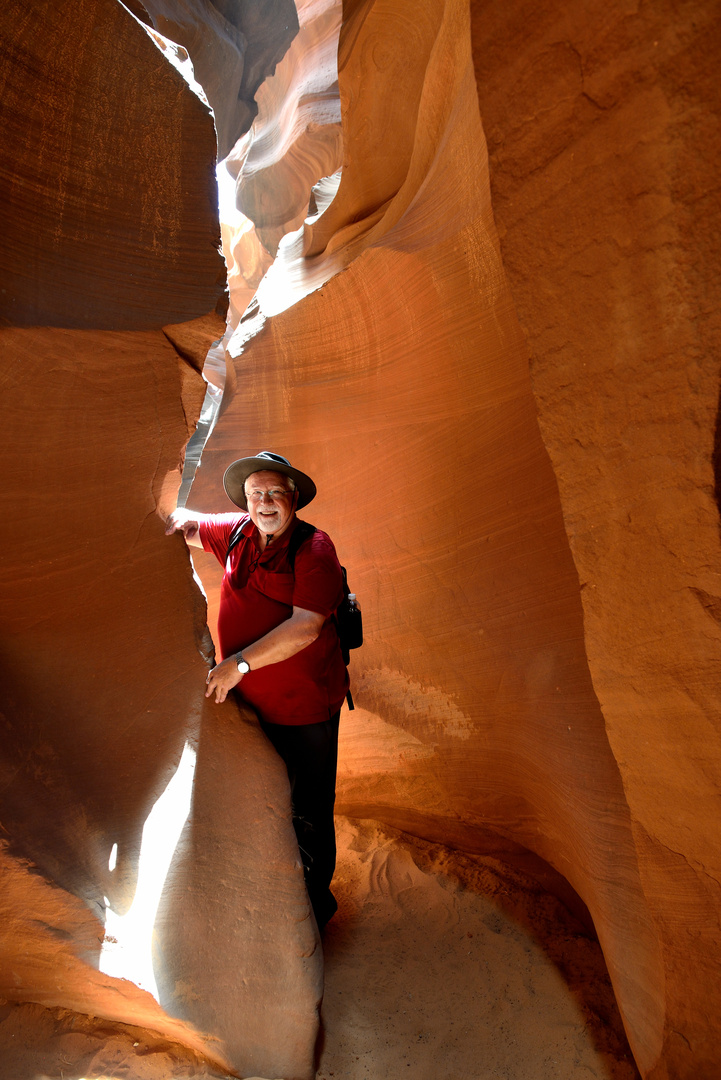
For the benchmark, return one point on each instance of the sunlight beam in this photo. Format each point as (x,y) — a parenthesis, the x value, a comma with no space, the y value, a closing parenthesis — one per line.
(127,948)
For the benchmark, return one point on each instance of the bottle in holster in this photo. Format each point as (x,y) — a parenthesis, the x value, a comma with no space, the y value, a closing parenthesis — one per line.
(350,625)
(353,620)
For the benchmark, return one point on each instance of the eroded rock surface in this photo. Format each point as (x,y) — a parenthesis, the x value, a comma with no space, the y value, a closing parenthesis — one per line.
(541,633)
(91,122)
(607,243)
(540,600)
(233,48)
(296,139)
(112,277)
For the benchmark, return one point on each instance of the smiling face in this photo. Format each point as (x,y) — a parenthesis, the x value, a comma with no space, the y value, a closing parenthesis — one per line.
(271,502)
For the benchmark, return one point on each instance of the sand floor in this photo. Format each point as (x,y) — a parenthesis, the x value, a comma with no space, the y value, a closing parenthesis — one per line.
(442,966)
(439,966)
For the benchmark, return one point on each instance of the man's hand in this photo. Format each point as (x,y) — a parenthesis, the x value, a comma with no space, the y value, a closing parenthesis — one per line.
(222,679)
(184,521)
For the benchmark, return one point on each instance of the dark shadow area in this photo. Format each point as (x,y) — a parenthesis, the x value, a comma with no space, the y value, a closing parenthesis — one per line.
(716,460)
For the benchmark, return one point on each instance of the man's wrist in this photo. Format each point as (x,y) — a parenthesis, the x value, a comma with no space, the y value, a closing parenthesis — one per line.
(242,664)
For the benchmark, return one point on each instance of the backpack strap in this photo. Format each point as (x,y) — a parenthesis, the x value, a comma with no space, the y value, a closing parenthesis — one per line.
(234,538)
(302,532)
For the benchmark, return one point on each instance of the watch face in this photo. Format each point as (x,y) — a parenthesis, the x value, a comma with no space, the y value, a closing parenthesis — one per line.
(243,666)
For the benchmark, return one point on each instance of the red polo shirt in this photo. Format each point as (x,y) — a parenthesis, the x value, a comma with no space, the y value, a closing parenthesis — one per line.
(259,591)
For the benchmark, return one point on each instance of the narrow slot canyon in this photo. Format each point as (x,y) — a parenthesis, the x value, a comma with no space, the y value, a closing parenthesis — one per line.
(464,276)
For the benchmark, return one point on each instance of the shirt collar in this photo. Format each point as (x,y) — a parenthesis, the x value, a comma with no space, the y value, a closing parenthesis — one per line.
(252,531)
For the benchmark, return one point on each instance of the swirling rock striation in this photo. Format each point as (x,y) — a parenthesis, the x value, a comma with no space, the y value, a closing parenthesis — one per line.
(535,549)
(296,138)
(606,205)
(540,604)
(92,120)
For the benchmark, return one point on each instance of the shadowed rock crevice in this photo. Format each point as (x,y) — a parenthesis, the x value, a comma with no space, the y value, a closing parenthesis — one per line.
(717,459)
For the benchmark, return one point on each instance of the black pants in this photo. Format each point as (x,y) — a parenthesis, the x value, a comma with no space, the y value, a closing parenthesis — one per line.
(310,753)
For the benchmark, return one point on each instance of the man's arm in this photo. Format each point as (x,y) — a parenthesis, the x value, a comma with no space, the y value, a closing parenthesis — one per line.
(187,522)
(282,641)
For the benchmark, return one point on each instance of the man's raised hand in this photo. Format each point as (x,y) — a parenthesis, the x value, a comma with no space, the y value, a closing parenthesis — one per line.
(184,521)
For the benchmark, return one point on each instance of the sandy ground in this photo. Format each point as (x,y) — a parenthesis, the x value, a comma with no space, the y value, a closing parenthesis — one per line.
(439,966)
(442,966)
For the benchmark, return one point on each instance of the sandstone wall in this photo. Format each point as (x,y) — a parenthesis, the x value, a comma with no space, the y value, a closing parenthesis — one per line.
(112,292)
(535,548)
(539,602)
(602,142)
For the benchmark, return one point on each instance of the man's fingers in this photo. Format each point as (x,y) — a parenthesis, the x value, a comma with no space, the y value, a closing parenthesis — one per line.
(210,683)
(181,521)
(214,687)
(215,682)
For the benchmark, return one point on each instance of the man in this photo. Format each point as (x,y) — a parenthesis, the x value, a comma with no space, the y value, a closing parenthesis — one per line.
(279,642)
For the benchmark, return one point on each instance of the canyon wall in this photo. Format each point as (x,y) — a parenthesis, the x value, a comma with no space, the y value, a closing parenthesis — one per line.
(113,289)
(505,386)
(603,144)
(540,599)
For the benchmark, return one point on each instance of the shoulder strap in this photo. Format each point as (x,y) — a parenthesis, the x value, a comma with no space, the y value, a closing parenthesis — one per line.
(234,538)
(302,532)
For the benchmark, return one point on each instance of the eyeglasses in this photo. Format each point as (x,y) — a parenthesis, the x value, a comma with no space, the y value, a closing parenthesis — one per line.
(274,494)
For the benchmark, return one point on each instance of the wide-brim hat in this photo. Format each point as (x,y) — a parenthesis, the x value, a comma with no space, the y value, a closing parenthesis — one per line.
(265,461)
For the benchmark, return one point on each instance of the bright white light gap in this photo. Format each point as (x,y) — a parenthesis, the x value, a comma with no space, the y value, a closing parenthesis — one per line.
(127,948)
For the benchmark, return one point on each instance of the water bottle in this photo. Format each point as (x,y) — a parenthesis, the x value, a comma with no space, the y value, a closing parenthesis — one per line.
(352,632)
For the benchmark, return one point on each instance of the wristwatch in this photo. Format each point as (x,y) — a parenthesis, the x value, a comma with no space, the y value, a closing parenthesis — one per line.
(243,665)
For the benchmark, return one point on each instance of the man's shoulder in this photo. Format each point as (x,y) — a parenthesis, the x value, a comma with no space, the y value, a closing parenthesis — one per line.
(227,521)
(220,527)
(318,575)
(312,544)
(317,537)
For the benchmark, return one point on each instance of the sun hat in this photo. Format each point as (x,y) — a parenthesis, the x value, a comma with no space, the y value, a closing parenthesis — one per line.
(265,461)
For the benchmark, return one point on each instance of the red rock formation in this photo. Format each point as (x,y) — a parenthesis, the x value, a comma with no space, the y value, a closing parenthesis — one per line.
(607,244)
(81,150)
(294,143)
(540,602)
(111,274)
(541,631)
